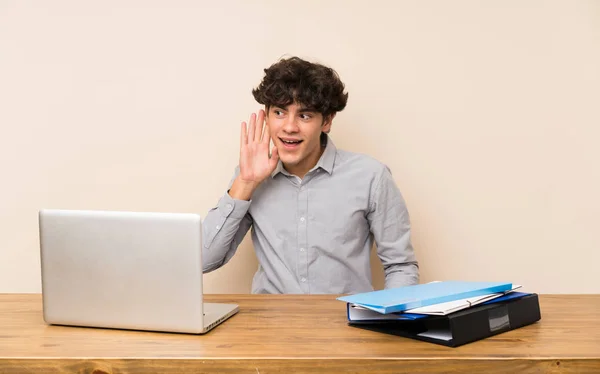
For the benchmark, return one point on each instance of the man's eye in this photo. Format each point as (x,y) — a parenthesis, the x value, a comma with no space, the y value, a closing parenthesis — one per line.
(278,112)
(306,116)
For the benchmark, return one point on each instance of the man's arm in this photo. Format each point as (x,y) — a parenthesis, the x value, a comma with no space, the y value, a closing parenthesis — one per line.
(226,224)
(223,229)
(390,224)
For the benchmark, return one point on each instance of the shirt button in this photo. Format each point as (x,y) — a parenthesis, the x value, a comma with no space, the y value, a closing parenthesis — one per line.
(303,279)
(218,227)
(301,249)
(228,206)
(301,219)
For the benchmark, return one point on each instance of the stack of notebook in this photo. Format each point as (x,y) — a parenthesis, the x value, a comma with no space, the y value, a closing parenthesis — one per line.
(450,313)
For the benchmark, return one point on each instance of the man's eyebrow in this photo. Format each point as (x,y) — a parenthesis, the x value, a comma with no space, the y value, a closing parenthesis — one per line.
(302,109)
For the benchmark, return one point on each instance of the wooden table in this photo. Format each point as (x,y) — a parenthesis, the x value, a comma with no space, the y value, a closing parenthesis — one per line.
(284,334)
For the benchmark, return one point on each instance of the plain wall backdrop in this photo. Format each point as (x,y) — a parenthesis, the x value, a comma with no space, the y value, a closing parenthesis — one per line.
(487,113)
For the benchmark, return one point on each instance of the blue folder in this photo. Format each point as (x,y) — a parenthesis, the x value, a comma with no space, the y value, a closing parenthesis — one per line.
(395,300)
(374,317)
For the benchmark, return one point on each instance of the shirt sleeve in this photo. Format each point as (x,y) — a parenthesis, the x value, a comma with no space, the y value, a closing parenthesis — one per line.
(390,224)
(223,229)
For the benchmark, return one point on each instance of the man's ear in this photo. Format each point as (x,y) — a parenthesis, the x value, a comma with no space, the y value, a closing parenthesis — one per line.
(327,121)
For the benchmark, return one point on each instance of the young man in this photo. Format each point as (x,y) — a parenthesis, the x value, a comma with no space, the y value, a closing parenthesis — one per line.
(314,209)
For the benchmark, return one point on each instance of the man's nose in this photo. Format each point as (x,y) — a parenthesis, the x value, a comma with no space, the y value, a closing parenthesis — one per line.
(290,125)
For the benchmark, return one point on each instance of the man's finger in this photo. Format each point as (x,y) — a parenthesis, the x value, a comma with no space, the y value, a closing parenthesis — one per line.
(243,135)
(266,136)
(260,126)
(252,128)
(274,158)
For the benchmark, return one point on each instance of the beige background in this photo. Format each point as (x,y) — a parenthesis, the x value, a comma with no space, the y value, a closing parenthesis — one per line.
(486,112)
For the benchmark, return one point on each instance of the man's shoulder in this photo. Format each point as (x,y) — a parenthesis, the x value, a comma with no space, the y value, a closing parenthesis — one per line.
(359,161)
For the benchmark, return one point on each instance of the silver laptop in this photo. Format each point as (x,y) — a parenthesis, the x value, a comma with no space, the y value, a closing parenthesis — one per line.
(125,270)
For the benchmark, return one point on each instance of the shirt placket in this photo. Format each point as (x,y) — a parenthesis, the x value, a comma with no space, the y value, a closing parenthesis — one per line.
(302,247)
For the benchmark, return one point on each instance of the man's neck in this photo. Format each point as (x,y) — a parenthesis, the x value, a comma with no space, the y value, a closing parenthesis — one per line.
(301,169)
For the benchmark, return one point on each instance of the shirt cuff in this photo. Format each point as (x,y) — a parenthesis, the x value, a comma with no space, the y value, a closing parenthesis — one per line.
(230,207)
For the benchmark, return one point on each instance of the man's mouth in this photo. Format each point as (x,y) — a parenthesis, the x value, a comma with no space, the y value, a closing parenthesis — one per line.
(290,143)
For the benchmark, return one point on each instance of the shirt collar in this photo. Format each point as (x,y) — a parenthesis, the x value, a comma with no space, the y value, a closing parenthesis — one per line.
(326,161)
(328,157)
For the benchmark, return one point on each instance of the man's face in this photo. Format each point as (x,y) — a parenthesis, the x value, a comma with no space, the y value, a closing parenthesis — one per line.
(296,132)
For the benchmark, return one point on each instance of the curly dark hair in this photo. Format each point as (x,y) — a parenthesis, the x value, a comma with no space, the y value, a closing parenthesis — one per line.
(314,86)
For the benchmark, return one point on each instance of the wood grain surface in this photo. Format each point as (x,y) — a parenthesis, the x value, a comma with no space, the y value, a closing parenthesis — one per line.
(296,333)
